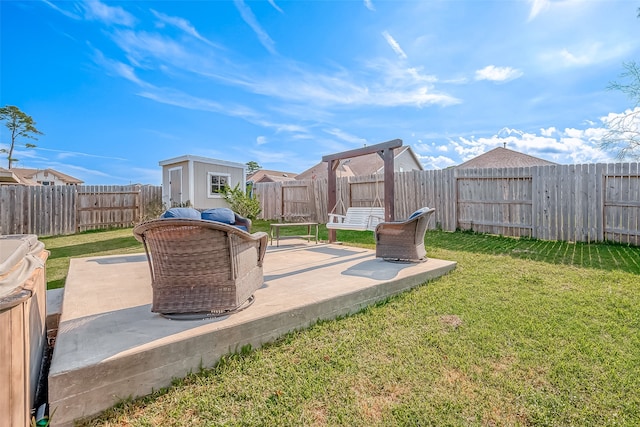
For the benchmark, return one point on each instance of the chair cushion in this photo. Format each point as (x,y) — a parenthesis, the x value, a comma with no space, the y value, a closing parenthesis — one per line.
(181,213)
(224,215)
(418,212)
(241,227)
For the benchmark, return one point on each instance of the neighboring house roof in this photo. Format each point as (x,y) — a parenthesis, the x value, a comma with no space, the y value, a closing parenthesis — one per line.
(503,158)
(29,175)
(8,177)
(265,175)
(367,164)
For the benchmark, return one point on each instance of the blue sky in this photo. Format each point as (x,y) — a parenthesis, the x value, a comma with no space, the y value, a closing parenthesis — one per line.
(117,87)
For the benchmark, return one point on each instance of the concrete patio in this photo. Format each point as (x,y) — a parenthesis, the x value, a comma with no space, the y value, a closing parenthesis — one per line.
(110,346)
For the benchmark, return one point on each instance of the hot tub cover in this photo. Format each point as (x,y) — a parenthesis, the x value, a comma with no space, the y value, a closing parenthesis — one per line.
(18,259)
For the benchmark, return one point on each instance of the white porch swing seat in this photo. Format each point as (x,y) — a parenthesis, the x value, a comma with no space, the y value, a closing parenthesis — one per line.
(357,218)
(364,218)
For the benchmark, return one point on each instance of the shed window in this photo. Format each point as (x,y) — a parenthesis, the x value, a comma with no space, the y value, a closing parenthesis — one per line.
(217,182)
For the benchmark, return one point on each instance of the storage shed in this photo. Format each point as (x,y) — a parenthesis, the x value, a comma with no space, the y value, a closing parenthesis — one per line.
(199,181)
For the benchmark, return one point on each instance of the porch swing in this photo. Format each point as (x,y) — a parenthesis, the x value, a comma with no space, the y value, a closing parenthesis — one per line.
(357,218)
(362,218)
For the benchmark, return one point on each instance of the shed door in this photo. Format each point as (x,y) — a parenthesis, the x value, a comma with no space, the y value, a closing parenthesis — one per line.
(175,183)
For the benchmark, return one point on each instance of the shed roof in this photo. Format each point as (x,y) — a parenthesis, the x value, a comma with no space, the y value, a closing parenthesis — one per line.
(191,158)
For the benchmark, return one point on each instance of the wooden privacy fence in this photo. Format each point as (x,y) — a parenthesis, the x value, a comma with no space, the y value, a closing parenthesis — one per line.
(585,203)
(293,200)
(54,210)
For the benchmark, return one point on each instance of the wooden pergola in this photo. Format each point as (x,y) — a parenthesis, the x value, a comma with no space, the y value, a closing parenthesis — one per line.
(384,150)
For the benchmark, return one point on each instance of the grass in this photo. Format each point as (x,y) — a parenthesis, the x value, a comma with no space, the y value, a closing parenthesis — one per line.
(93,243)
(523,332)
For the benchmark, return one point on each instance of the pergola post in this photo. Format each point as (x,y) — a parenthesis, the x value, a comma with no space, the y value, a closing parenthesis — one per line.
(385,150)
(389,185)
(332,189)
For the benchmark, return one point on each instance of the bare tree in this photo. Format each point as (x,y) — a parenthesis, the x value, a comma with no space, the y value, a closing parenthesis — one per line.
(623,130)
(21,125)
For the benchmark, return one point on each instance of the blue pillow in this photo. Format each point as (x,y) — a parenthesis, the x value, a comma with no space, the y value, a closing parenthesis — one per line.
(224,215)
(181,213)
(418,212)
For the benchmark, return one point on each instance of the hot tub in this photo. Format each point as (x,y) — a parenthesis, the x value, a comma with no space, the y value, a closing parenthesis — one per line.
(22,324)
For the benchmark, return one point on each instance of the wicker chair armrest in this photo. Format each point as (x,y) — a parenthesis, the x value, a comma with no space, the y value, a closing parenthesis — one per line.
(240,220)
(263,241)
(393,227)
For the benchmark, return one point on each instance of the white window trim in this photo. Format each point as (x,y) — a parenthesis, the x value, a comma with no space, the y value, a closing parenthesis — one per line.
(211,195)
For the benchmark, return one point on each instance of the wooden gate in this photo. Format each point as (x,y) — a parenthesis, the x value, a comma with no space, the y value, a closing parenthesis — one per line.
(297,202)
(622,207)
(107,206)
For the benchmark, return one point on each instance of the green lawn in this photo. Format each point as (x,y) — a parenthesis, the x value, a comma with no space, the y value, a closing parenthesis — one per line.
(522,332)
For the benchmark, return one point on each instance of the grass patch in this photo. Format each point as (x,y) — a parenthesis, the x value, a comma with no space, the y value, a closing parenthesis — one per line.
(91,243)
(523,332)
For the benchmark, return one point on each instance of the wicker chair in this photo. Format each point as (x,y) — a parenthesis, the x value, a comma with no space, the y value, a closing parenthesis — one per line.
(403,240)
(201,268)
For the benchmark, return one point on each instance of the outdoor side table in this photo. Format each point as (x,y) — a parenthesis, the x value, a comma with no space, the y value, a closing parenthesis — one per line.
(278,225)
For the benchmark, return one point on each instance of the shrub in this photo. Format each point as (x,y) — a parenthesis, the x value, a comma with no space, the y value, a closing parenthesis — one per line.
(242,203)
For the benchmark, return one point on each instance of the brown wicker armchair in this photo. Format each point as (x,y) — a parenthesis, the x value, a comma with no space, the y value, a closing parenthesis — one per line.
(403,240)
(201,268)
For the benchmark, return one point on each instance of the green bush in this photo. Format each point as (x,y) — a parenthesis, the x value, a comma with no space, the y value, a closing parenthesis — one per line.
(242,203)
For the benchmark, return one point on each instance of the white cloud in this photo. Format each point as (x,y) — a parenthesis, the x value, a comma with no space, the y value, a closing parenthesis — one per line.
(275,6)
(369,5)
(498,74)
(548,132)
(588,51)
(394,45)
(98,11)
(182,24)
(570,146)
(118,68)
(269,157)
(143,47)
(261,140)
(435,162)
(632,114)
(62,11)
(344,136)
(64,154)
(623,129)
(537,6)
(252,21)
(389,85)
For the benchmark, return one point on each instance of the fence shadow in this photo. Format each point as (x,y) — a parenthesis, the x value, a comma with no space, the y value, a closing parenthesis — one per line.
(602,256)
(95,247)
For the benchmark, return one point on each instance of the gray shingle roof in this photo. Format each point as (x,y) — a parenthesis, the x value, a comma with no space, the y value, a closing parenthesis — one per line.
(503,158)
(367,164)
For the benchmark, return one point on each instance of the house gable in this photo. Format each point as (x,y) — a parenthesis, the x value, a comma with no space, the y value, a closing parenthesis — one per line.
(503,158)
(266,175)
(46,176)
(368,164)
